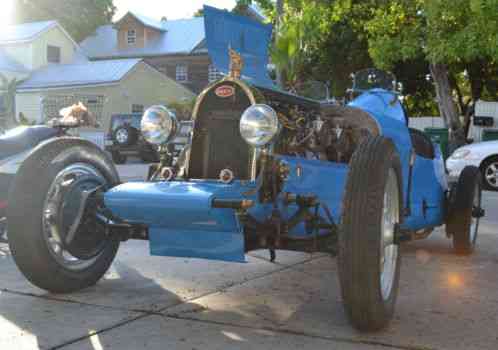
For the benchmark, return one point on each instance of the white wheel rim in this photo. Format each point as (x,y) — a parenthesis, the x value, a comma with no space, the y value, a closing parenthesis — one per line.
(491,175)
(122,136)
(50,233)
(474,221)
(388,248)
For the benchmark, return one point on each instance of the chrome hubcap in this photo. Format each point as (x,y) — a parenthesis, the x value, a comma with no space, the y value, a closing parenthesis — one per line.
(122,136)
(388,248)
(491,175)
(54,202)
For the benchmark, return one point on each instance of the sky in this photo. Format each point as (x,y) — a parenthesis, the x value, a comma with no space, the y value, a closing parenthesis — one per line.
(172,9)
(7,12)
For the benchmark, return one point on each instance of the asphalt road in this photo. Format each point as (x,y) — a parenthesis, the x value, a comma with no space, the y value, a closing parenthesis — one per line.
(144,302)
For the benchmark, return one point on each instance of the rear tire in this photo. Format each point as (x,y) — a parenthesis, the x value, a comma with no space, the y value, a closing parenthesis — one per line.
(369,258)
(28,202)
(465,211)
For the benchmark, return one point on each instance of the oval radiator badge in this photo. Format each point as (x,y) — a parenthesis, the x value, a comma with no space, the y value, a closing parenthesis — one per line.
(224,91)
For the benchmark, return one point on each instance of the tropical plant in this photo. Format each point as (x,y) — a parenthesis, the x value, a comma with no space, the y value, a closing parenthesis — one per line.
(8,91)
(452,35)
(442,51)
(183,109)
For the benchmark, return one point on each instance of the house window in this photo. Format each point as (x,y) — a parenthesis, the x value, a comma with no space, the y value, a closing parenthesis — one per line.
(181,73)
(131,36)
(213,73)
(53,54)
(137,108)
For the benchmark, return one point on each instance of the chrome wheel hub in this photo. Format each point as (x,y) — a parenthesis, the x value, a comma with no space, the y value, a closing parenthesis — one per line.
(388,248)
(491,175)
(59,220)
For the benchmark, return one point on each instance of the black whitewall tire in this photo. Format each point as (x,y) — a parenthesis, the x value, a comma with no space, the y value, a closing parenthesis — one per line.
(369,258)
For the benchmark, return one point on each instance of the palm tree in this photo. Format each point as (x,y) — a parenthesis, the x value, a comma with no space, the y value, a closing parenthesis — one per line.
(8,92)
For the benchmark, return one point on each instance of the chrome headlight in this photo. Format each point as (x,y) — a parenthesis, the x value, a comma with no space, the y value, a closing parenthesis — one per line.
(158,125)
(460,154)
(259,125)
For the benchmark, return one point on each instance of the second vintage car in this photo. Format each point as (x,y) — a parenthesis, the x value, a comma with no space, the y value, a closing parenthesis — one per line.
(124,139)
(263,169)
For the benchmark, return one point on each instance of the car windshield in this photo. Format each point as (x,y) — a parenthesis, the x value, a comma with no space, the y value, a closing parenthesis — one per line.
(372,78)
(313,89)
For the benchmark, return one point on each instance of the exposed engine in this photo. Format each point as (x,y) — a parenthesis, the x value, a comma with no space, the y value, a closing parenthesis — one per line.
(327,132)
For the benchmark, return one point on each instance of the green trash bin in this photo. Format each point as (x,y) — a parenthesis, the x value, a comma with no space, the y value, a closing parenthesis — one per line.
(441,137)
(490,134)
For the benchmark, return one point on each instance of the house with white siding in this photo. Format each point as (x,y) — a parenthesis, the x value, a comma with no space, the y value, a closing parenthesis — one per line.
(52,66)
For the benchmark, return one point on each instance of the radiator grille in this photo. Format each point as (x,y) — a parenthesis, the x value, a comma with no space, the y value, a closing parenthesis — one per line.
(217,143)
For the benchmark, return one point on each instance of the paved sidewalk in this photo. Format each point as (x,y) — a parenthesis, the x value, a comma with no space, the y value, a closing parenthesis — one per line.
(144,302)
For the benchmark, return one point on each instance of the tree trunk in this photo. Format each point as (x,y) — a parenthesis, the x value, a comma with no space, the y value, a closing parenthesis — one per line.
(475,70)
(280,13)
(447,106)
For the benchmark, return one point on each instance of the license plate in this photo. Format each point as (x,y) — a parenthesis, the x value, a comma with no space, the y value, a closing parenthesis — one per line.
(108,142)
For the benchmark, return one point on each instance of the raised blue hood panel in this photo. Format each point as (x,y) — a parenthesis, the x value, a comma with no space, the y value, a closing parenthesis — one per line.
(249,38)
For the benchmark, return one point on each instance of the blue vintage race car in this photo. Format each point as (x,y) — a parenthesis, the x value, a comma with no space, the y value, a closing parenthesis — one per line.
(264,169)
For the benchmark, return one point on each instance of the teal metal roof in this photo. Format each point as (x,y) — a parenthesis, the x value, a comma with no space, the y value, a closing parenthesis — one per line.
(24,32)
(181,36)
(79,74)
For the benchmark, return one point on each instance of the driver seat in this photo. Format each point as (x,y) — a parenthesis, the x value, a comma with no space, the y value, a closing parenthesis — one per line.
(23,138)
(422,144)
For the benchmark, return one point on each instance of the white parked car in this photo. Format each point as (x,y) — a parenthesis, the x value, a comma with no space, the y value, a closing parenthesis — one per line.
(483,155)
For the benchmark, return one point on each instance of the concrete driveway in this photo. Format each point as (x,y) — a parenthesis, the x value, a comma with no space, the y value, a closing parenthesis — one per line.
(445,301)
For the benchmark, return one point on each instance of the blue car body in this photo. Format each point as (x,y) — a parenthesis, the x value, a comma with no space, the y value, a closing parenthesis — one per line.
(180,216)
(182,221)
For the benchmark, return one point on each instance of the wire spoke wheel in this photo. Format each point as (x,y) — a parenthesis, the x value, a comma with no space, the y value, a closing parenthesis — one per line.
(388,248)
(475,218)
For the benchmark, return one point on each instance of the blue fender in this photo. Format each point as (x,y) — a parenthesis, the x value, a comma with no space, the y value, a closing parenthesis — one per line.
(180,217)
(427,196)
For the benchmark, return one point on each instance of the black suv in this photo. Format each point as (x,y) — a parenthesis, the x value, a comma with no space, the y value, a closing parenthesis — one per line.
(124,139)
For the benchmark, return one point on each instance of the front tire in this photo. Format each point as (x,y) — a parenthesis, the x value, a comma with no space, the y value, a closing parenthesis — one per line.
(35,198)
(369,258)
